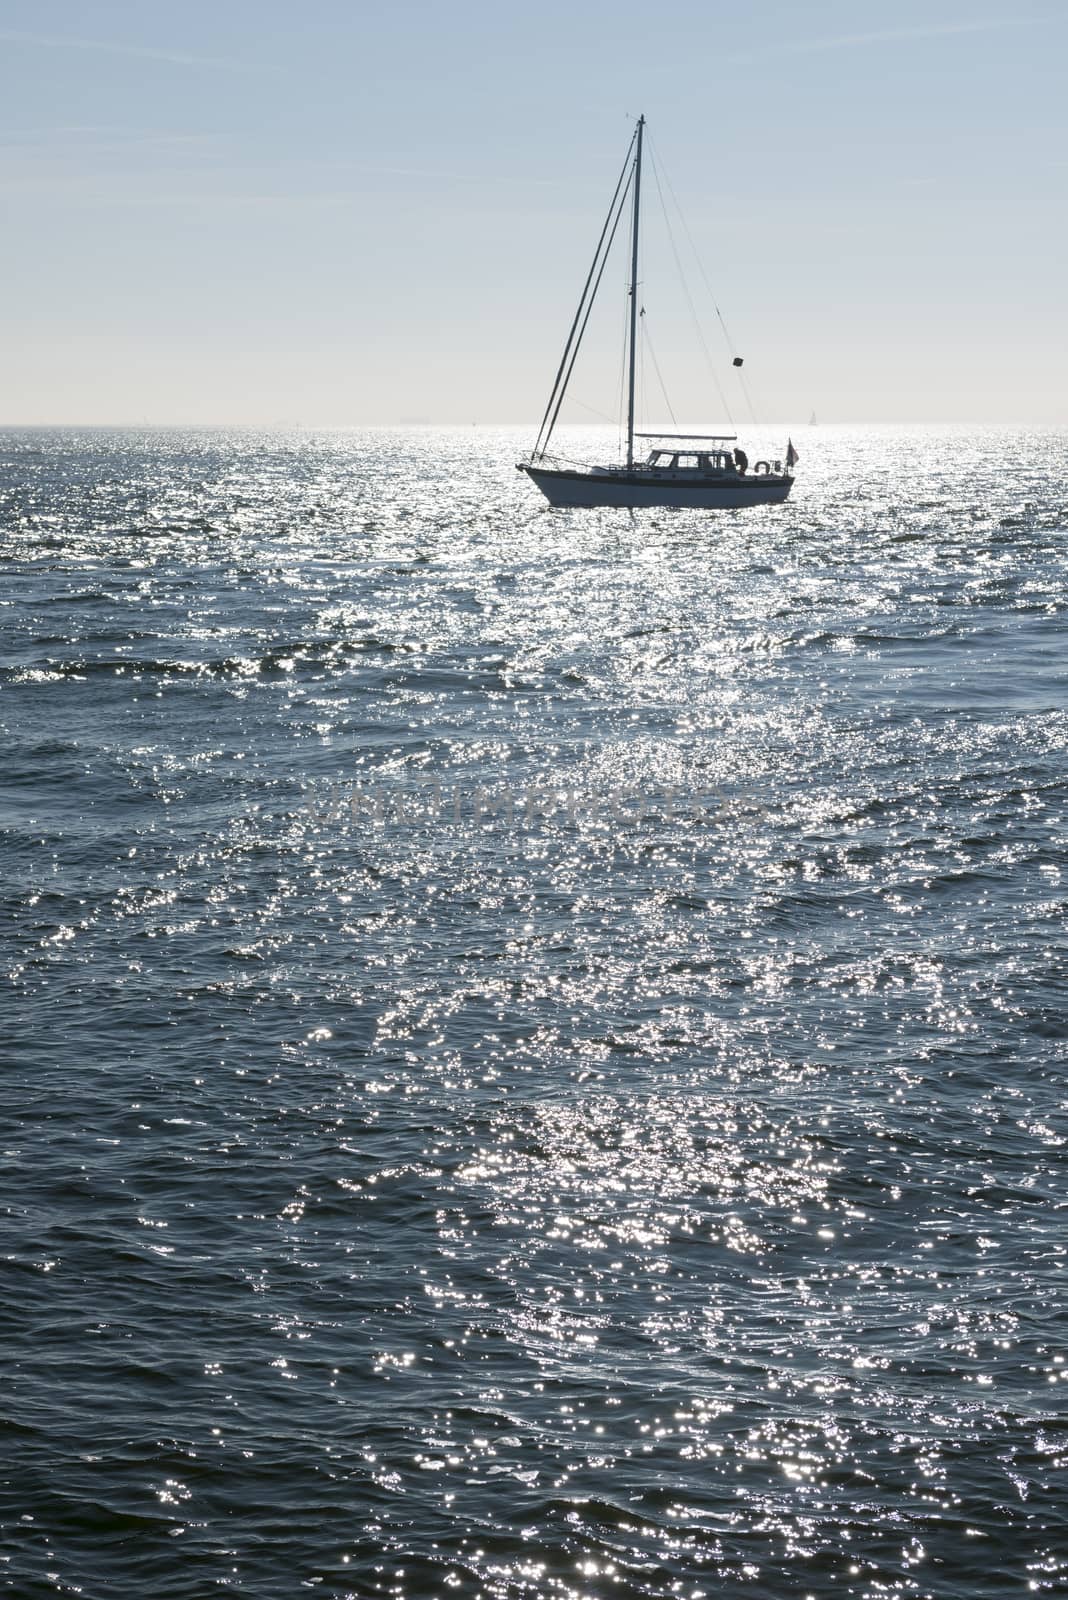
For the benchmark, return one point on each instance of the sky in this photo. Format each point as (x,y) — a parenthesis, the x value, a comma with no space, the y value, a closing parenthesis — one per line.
(334,214)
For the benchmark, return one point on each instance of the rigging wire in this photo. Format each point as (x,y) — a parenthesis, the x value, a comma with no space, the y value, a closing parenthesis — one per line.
(622,385)
(623,361)
(593,410)
(728,341)
(686,289)
(647,336)
(623,184)
(643,412)
(570,460)
(578,341)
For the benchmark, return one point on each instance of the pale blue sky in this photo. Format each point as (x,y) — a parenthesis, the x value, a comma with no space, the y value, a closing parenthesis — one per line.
(342,213)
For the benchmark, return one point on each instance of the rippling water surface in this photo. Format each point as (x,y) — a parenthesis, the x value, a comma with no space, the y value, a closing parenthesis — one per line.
(534,1041)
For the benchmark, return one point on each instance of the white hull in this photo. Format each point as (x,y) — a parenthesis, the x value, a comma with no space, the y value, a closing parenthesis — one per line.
(638,489)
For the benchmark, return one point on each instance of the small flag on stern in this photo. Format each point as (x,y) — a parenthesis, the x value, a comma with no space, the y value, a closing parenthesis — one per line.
(791,453)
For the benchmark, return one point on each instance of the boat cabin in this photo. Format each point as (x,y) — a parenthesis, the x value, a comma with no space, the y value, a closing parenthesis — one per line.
(690,461)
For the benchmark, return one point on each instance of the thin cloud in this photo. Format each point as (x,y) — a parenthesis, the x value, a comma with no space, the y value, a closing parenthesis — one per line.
(923,30)
(177,58)
(92,139)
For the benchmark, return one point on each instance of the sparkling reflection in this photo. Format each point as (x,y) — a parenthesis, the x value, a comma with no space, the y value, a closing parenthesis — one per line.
(652,1188)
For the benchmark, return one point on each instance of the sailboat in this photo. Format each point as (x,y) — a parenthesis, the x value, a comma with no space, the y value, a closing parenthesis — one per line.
(704,471)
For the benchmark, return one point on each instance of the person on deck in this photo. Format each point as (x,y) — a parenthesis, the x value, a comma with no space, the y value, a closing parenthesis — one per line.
(741,460)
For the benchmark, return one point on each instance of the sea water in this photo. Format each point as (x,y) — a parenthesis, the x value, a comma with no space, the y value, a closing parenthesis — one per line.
(534,1044)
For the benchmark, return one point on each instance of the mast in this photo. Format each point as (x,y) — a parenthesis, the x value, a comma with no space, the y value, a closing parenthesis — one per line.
(634,290)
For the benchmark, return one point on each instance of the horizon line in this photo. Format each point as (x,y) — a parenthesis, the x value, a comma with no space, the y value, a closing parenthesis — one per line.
(146,425)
